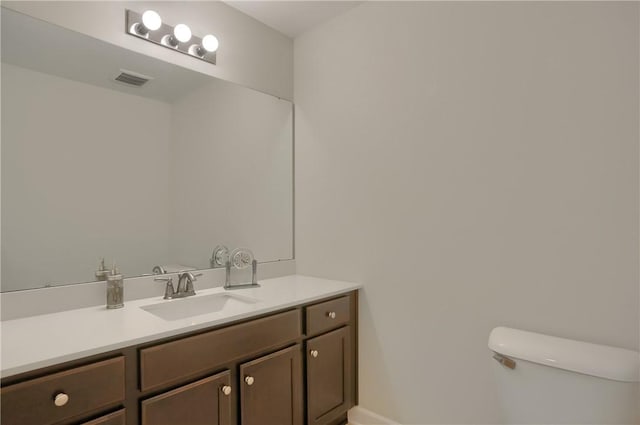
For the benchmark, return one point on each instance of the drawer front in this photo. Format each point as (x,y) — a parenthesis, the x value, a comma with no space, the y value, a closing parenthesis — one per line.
(203,402)
(177,360)
(86,389)
(328,315)
(115,418)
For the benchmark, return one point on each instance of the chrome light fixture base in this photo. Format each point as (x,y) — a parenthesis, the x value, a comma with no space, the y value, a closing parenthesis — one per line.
(160,36)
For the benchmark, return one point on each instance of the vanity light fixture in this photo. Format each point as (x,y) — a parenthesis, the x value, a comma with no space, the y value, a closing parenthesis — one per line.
(149,26)
(182,32)
(209,44)
(150,21)
(170,40)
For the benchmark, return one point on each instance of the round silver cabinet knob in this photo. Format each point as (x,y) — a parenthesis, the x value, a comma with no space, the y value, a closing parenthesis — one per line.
(314,353)
(331,314)
(60,399)
(226,390)
(249,380)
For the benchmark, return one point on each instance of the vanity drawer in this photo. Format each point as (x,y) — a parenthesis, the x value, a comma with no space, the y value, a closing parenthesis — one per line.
(87,389)
(328,315)
(177,360)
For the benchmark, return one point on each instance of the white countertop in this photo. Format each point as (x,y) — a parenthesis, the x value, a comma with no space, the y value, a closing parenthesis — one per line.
(34,342)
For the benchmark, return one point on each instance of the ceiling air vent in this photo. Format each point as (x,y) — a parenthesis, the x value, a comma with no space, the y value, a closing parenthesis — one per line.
(132,78)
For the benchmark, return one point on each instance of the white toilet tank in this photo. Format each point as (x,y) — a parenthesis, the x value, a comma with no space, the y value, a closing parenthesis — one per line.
(563,381)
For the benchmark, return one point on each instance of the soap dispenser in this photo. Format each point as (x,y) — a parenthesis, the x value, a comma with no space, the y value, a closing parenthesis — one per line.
(115,289)
(102,272)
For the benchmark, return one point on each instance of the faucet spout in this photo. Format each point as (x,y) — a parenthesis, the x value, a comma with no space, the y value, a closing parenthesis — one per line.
(185,284)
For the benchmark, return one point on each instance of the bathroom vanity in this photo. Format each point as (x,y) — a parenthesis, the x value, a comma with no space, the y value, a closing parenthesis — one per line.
(287,361)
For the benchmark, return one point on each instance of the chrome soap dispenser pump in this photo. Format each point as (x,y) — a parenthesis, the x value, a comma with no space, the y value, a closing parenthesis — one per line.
(102,272)
(115,289)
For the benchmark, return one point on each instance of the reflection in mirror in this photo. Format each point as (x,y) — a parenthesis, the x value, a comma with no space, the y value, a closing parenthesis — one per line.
(151,175)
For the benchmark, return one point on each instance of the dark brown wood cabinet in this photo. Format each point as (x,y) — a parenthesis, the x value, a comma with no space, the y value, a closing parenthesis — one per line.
(296,366)
(66,395)
(328,315)
(115,418)
(204,402)
(206,351)
(271,389)
(328,376)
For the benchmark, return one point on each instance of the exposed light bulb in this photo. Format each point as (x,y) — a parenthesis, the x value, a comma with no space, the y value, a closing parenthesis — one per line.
(182,33)
(151,20)
(210,43)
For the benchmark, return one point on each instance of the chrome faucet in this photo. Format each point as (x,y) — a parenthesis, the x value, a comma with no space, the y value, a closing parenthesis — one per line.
(185,285)
(169,292)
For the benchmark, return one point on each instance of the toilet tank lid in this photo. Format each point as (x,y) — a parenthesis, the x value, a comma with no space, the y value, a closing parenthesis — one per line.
(603,361)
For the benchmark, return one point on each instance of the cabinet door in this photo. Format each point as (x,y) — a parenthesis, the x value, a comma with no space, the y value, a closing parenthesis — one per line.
(271,389)
(328,376)
(115,418)
(204,402)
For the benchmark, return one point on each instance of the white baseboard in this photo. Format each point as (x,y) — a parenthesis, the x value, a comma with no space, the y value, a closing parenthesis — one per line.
(361,416)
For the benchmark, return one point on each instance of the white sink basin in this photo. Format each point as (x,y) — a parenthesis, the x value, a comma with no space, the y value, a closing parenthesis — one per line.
(195,306)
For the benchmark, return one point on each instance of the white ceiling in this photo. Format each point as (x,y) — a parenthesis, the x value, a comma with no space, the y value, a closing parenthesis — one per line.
(292,18)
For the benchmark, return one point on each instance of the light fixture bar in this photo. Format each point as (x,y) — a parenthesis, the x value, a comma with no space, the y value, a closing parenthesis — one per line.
(165,36)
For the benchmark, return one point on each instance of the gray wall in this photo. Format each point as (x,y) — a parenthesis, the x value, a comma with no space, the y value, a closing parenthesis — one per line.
(473,165)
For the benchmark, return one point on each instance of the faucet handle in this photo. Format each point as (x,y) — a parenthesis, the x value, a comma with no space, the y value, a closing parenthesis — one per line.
(169,292)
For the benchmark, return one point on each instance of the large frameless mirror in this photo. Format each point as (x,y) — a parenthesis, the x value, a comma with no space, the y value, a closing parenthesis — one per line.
(96,166)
